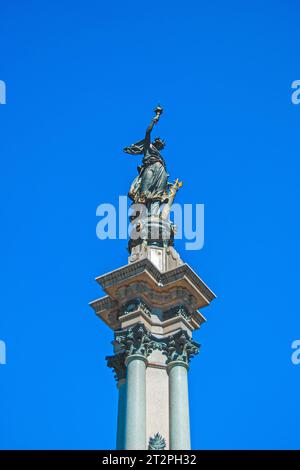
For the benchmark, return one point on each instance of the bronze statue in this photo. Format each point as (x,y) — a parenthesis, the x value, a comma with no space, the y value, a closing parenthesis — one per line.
(151,186)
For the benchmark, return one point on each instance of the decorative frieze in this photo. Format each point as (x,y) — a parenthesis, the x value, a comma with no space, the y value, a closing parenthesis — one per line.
(157,298)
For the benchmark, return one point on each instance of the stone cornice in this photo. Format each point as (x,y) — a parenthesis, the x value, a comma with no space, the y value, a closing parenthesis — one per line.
(139,290)
(103,303)
(162,279)
(115,317)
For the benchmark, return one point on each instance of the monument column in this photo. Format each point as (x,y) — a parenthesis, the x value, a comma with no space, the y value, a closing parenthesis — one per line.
(136,403)
(152,305)
(135,343)
(180,349)
(121,415)
(179,406)
(117,362)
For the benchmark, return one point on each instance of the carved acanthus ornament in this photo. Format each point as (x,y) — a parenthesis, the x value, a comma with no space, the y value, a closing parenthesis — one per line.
(117,363)
(136,340)
(180,347)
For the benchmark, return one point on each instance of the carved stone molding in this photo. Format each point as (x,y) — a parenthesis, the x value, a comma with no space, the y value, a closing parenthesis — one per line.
(175,311)
(138,340)
(136,304)
(162,279)
(156,289)
(155,298)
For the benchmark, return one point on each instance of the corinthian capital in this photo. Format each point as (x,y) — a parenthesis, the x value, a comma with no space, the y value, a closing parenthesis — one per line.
(134,340)
(117,363)
(180,347)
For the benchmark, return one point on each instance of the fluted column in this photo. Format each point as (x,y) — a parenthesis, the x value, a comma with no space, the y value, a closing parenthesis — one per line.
(179,350)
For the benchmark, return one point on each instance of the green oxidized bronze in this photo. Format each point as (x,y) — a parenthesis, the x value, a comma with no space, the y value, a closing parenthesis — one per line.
(152,190)
(151,183)
(137,340)
(180,347)
(117,363)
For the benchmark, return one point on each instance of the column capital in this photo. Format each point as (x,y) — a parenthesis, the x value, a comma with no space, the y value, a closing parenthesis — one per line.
(117,363)
(180,348)
(136,340)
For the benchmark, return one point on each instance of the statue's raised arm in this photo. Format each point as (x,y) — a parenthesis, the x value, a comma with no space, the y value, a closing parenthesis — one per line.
(152,189)
(158,111)
(151,186)
(139,148)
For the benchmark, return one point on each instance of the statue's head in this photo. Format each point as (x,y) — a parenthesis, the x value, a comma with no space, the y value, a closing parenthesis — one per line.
(159,143)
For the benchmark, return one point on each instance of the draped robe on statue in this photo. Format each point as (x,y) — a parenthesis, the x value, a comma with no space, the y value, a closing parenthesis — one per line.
(151,183)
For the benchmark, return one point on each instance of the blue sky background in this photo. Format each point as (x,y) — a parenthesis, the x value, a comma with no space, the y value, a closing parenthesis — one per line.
(82,79)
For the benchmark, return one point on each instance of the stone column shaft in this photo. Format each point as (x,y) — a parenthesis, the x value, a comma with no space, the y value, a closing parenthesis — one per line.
(121,415)
(179,406)
(135,436)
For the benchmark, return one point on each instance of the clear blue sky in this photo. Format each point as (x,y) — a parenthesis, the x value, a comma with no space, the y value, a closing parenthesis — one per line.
(82,79)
